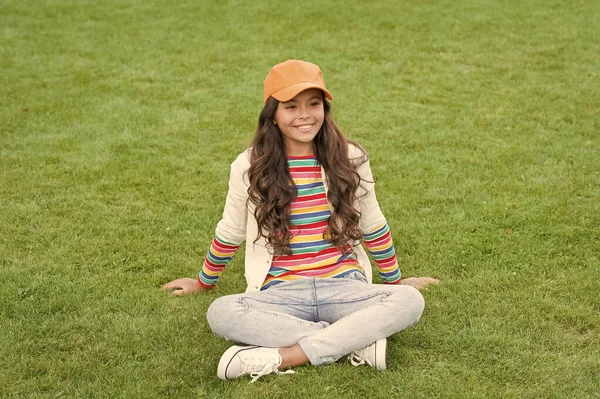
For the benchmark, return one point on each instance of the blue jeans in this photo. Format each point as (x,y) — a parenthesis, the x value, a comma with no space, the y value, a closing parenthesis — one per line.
(327,317)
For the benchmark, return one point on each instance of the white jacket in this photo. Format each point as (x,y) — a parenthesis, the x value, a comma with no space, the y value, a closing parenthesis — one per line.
(239,224)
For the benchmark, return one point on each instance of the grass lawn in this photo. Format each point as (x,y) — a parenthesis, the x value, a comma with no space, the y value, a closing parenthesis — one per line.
(118,122)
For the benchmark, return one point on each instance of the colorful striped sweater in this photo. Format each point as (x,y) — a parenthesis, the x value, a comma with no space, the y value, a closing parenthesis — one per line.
(312,255)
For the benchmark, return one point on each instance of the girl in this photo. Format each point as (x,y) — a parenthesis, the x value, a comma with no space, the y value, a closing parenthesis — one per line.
(302,197)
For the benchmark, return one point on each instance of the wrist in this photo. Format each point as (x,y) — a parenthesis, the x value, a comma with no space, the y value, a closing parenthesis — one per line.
(203,285)
(395,282)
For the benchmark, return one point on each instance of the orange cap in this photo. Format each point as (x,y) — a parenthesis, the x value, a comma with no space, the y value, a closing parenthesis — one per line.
(291,77)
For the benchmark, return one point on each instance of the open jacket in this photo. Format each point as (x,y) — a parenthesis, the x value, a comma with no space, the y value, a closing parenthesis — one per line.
(238,223)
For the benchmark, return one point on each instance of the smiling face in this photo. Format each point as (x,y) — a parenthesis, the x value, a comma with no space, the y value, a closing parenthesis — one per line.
(299,120)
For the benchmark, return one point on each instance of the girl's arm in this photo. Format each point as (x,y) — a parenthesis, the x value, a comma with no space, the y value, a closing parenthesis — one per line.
(229,234)
(376,232)
(381,246)
(377,235)
(218,256)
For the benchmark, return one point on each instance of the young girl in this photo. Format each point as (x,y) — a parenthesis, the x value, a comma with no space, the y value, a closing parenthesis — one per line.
(302,197)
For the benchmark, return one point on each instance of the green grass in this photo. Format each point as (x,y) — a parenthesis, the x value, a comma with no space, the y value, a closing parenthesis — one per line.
(118,122)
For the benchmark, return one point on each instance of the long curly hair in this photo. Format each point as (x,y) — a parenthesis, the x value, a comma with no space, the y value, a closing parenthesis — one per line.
(272,190)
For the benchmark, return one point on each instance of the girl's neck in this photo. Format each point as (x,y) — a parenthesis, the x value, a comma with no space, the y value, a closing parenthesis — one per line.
(312,156)
(299,151)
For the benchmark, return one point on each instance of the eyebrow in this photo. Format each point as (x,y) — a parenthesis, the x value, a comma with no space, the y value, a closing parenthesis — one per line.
(293,100)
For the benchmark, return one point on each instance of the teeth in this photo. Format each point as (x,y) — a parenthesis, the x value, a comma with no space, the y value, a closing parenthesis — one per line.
(304,128)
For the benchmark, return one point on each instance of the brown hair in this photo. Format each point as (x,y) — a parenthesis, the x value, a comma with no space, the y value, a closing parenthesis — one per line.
(272,190)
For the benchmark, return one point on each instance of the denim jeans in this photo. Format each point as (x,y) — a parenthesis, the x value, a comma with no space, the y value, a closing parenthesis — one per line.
(327,317)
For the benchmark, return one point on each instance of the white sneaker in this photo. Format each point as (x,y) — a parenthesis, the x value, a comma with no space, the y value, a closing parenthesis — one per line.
(253,360)
(374,355)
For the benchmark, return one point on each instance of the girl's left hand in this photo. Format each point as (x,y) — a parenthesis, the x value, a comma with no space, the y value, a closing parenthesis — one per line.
(419,282)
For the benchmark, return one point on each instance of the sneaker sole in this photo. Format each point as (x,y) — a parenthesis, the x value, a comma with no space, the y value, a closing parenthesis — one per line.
(381,354)
(227,358)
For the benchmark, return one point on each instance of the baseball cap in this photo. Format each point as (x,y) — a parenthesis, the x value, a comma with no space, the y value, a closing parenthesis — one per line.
(291,77)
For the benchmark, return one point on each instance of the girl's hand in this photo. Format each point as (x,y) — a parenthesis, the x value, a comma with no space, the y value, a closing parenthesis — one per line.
(183,286)
(419,282)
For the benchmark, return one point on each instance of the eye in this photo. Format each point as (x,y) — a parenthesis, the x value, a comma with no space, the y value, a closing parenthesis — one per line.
(315,103)
(290,106)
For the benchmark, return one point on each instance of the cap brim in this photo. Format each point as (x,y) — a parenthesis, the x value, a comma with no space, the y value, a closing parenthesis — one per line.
(287,93)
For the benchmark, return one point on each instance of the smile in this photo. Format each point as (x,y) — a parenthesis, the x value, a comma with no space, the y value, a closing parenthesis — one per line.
(305,128)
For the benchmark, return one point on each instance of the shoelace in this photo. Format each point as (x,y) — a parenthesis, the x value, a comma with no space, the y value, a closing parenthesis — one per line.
(358,360)
(268,369)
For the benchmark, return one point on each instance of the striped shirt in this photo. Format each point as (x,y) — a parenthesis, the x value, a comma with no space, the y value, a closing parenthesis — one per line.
(312,255)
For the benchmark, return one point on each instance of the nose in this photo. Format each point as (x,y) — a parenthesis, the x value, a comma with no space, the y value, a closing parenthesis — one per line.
(304,113)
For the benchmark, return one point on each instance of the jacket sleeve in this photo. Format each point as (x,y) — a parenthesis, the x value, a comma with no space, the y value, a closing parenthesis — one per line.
(232,226)
(371,216)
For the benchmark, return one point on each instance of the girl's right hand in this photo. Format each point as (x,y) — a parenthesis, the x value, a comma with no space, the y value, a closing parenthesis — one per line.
(183,286)
(419,282)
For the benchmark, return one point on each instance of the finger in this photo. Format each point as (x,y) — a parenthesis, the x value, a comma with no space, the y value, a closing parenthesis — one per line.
(178,292)
(429,282)
(170,285)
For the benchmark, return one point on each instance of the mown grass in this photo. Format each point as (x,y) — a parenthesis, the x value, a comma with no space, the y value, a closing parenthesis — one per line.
(119,120)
